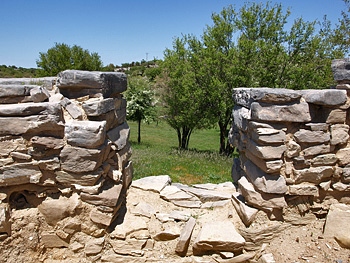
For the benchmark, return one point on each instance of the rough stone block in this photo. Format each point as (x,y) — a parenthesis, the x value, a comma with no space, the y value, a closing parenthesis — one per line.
(119,135)
(326,97)
(339,134)
(218,236)
(341,72)
(80,160)
(266,152)
(21,173)
(85,179)
(98,107)
(245,212)
(313,175)
(296,112)
(88,134)
(315,137)
(109,84)
(185,236)
(303,189)
(108,196)
(343,156)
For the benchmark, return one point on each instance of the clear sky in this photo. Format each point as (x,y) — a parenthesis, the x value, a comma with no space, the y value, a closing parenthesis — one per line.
(119,31)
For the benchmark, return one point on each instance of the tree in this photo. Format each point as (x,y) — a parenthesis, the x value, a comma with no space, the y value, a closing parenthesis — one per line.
(140,102)
(62,57)
(251,47)
(185,102)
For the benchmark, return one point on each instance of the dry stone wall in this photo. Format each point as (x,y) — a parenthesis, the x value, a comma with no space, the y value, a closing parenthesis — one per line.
(64,149)
(294,145)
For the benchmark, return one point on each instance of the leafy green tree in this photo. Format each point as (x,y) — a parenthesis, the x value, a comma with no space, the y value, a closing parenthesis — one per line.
(185,101)
(251,47)
(62,57)
(140,102)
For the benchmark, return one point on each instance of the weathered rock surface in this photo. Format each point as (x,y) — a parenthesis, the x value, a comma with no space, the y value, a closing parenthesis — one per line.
(108,83)
(152,183)
(218,236)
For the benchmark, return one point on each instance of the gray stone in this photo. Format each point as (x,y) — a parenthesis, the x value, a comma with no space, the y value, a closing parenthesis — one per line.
(152,183)
(51,240)
(345,177)
(55,210)
(245,212)
(85,179)
(267,136)
(72,108)
(318,149)
(9,144)
(303,189)
(266,152)
(341,72)
(39,94)
(260,200)
(270,184)
(21,173)
(28,109)
(273,166)
(15,90)
(236,171)
(318,126)
(119,135)
(185,237)
(81,160)
(339,134)
(88,134)
(245,96)
(218,236)
(128,174)
(241,115)
(306,136)
(46,82)
(47,142)
(297,112)
(109,84)
(108,197)
(324,159)
(169,232)
(326,97)
(313,175)
(98,107)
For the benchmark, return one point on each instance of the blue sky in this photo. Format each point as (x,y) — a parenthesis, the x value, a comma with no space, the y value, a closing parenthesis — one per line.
(119,31)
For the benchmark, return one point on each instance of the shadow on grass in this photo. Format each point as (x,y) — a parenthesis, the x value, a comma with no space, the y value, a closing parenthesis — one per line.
(142,144)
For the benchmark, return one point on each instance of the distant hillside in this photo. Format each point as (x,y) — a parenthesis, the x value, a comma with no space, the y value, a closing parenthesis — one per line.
(15,72)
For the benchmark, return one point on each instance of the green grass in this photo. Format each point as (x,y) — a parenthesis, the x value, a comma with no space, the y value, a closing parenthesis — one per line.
(158,155)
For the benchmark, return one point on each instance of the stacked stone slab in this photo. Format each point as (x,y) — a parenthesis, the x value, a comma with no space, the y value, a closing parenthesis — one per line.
(65,150)
(293,145)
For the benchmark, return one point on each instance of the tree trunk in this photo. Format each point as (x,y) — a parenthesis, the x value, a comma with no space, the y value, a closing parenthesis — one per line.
(183,136)
(139,131)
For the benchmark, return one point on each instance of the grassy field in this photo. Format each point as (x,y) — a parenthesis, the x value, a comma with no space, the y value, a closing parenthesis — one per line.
(158,155)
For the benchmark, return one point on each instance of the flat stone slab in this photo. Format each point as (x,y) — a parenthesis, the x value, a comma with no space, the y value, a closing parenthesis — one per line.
(218,236)
(185,237)
(109,84)
(337,221)
(326,97)
(152,183)
(340,68)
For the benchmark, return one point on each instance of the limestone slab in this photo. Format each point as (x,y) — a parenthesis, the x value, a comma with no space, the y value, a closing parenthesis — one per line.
(337,221)
(318,149)
(132,247)
(340,70)
(185,237)
(108,83)
(266,152)
(325,97)
(152,183)
(343,156)
(295,112)
(108,197)
(303,189)
(218,236)
(21,173)
(306,136)
(339,134)
(51,240)
(271,184)
(260,200)
(119,135)
(80,160)
(98,107)
(245,212)
(85,179)
(87,134)
(313,174)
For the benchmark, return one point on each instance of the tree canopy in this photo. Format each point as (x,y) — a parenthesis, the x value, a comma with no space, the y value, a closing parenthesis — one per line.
(140,101)
(62,57)
(249,47)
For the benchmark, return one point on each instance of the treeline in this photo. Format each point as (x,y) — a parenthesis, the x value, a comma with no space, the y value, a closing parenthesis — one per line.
(17,72)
